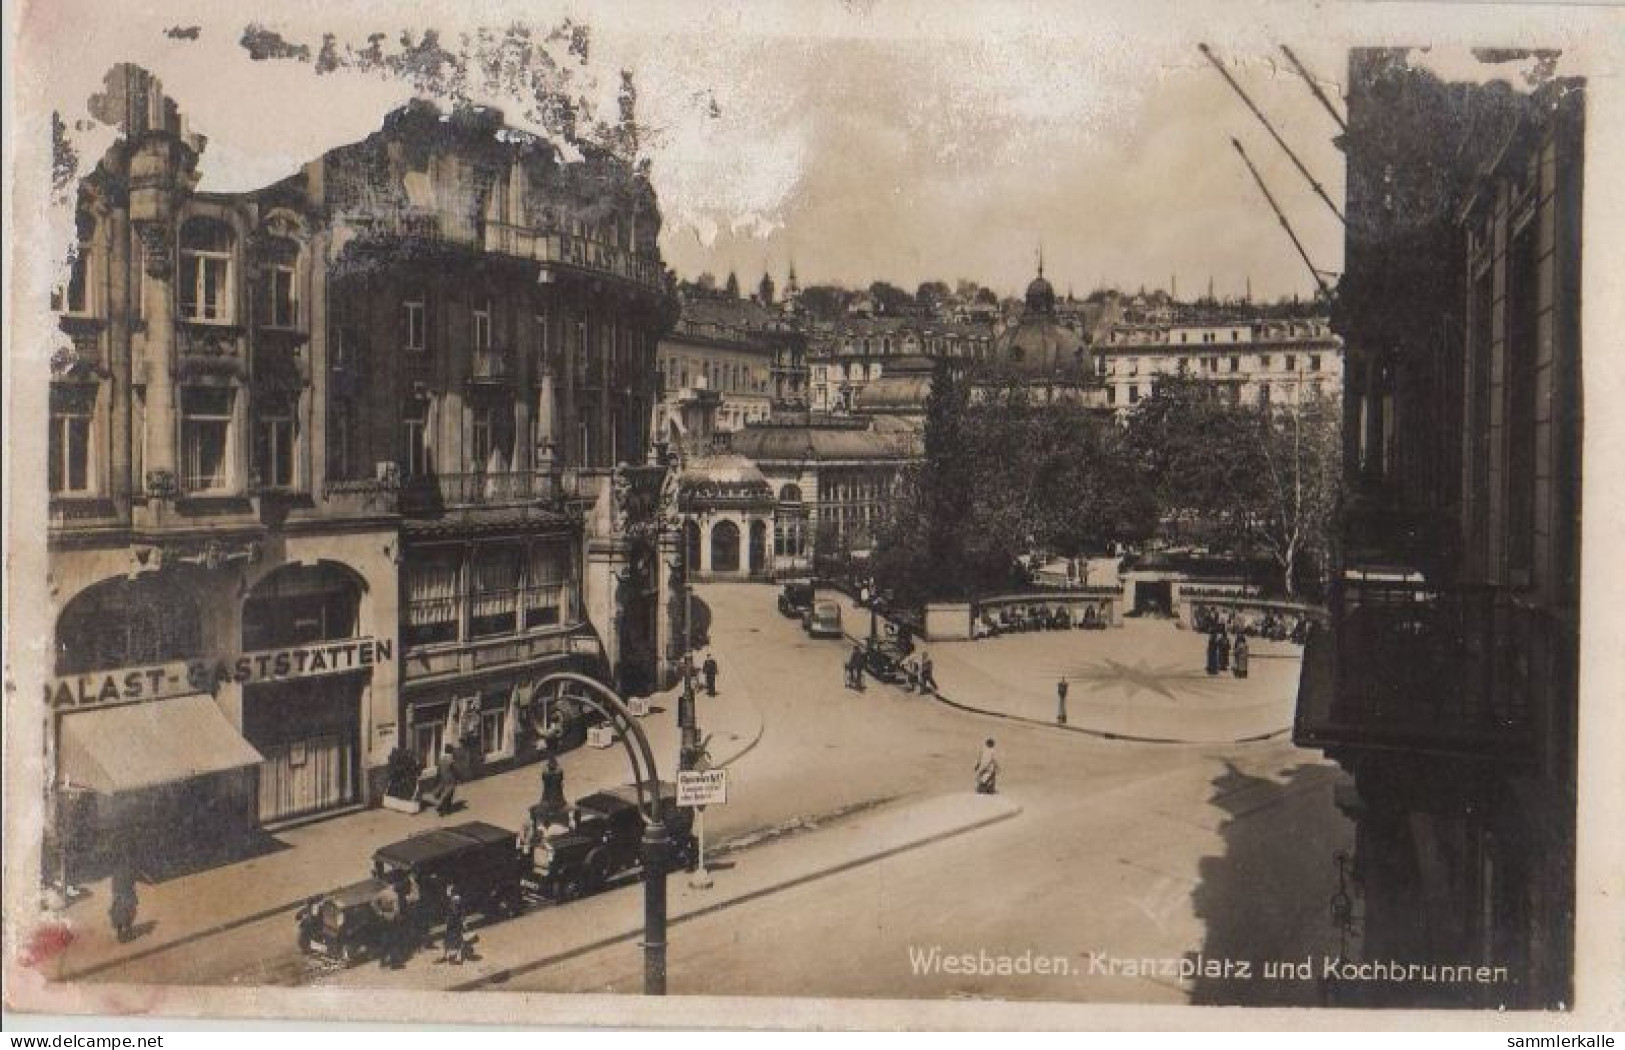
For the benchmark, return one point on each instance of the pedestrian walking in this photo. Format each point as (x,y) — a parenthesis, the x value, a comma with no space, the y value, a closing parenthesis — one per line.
(709,670)
(1213,651)
(854,669)
(121,909)
(1224,650)
(446,775)
(1239,657)
(928,678)
(987,770)
(452,942)
(1060,701)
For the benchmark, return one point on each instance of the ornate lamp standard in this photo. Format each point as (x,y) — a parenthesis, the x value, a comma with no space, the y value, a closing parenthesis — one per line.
(656,846)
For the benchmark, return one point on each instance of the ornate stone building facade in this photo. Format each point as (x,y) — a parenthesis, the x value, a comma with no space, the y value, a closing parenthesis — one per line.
(330,468)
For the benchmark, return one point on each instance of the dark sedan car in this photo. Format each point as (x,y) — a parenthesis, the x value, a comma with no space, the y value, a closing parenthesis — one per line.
(476,857)
(603,838)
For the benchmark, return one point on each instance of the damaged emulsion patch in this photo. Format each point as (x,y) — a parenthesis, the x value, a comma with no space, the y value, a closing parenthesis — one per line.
(515,62)
(44,943)
(183,32)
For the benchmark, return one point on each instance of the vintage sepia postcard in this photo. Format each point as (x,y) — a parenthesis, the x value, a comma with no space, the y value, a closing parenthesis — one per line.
(834,514)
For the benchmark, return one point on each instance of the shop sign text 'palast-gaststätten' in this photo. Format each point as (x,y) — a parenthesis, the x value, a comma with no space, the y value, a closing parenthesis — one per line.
(201,676)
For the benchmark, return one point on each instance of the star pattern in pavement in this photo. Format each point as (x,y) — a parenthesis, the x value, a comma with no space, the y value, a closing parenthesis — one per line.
(1165,680)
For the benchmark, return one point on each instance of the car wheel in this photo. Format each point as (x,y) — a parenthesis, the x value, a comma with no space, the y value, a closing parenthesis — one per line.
(570,888)
(349,951)
(304,940)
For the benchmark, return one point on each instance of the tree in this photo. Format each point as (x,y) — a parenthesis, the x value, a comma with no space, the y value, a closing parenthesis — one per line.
(1002,476)
(1195,454)
(890,300)
(1299,447)
(1241,478)
(731,289)
(825,302)
(931,295)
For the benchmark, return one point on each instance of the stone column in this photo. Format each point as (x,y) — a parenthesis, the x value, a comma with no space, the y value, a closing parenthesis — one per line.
(158,307)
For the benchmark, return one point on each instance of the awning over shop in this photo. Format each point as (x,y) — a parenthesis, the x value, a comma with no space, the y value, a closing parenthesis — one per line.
(139,746)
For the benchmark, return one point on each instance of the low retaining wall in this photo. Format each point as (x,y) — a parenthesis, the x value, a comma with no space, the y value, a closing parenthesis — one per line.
(1080,608)
(1248,612)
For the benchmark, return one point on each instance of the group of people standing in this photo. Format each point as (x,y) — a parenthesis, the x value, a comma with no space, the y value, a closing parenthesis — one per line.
(1227,654)
(400,909)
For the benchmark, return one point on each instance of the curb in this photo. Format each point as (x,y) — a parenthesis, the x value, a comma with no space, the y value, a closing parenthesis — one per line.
(1101,734)
(506,974)
(290,906)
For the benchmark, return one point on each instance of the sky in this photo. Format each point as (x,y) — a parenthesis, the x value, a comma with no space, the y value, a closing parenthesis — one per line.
(858,140)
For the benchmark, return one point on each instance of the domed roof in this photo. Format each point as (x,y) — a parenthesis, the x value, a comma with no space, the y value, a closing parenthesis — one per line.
(1040,295)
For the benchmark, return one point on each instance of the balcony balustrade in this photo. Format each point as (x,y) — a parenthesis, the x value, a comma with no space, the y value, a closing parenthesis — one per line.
(430,494)
(563,249)
(491,364)
(1406,667)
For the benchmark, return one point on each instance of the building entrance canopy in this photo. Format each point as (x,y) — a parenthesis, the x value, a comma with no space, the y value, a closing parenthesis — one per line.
(136,746)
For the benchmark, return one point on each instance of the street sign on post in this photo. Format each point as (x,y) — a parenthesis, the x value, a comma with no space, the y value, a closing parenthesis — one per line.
(702,788)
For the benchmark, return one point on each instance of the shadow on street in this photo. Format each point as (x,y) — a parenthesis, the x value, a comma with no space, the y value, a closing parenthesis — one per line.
(1266,899)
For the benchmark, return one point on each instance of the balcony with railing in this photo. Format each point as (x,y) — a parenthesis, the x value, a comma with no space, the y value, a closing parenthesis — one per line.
(553,248)
(1406,667)
(491,364)
(432,495)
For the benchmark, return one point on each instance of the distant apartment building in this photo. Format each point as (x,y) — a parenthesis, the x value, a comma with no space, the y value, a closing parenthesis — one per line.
(857,351)
(1260,362)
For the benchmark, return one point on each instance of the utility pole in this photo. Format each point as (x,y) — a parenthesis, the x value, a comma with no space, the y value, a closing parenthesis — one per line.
(1228,79)
(1315,87)
(1279,215)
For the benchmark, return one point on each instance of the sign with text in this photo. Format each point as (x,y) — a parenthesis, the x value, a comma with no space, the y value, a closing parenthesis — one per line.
(709,788)
(127,685)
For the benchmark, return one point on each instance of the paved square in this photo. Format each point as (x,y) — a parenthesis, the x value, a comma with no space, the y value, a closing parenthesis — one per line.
(1147,680)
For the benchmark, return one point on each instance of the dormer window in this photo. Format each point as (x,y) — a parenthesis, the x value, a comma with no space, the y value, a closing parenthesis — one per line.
(205,283)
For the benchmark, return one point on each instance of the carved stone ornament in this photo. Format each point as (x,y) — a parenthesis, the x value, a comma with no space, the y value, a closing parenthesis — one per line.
(161,484)
(157,255)
(65,361)
(621,498)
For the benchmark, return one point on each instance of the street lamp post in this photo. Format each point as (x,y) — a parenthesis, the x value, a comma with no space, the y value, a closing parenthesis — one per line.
(656,846)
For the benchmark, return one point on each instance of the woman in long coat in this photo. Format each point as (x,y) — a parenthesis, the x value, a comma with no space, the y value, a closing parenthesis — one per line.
(1224,650)
(1239,657)
(1213,652)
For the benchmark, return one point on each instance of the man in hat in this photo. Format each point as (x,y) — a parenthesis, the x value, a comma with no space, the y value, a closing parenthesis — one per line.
(709,670)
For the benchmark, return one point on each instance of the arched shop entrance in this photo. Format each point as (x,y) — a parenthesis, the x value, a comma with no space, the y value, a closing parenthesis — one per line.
(307,729)
(148,771)
(724,547)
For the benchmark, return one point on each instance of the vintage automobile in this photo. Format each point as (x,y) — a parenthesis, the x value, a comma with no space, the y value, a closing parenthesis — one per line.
(478,858)
(823,620)
(883,659)
(795,598)
(603,838)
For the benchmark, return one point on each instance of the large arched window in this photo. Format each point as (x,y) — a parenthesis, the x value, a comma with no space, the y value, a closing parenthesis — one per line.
(790,494)
(205,283)
(128,623)
(300,604)
(725,547)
